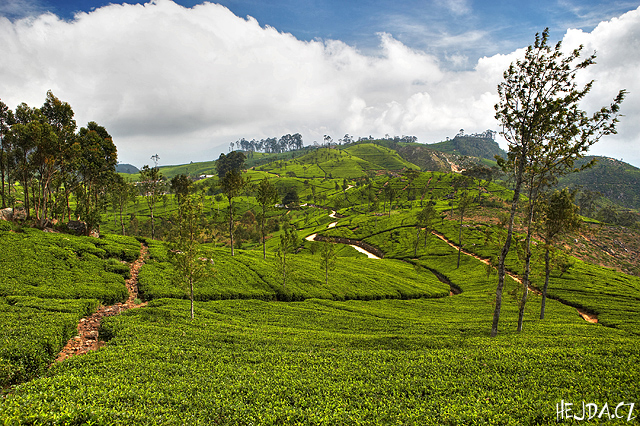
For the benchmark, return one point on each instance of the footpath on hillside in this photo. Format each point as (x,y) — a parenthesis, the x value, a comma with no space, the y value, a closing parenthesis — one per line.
(592,318)
(88,335)
(358,245)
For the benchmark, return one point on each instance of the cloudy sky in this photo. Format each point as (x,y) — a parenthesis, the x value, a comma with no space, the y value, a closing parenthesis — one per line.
(184,78)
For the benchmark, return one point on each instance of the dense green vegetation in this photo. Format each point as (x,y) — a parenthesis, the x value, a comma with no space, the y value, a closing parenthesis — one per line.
(47,283)
(426,361)
(399,340)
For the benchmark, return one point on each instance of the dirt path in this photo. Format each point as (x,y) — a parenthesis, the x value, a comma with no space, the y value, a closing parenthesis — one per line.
(362,250)
(592,318)
(88,339)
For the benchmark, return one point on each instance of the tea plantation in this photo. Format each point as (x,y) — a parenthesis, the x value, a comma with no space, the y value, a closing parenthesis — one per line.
(333,357)
(399,340)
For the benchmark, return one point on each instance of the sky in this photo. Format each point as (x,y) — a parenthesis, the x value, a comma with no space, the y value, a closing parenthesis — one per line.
(184,78)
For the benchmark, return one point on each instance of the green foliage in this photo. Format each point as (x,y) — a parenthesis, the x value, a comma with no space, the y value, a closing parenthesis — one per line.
(327,258)
(324,362)
(186,256)
(59,266)
(33,331)
(470,146)
(234,161)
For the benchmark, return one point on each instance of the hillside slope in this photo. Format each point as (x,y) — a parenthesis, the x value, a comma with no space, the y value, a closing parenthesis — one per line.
(470,146)
(616,180)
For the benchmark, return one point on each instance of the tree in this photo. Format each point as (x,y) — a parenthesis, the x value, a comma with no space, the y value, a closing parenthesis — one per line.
(60,116)
(232,186)
(6,120)
(545,129)
(465,201)
(287,244)
(291,198)
(559,215)
(327,258)
(424,220)
(181,186)
(95,168)
(190,264)
(121,193)
(151,186)
(226,163)
(266,196)
(389,194)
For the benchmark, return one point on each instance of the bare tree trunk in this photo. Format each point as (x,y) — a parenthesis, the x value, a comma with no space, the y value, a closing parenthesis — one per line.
(231,226)
(264,246)
(546,282)
(153,225)
(121,219)
(191,295)
(506,247)
(533,195)
(459,240)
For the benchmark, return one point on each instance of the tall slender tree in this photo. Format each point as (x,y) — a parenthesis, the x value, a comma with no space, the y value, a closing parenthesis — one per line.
(6,121)
(540,116)
(232,185)
(190,263)
(328,258)
(559,216)
(266,196)
(151,184)
(96,169)
(465,202)
(424,221)
(59,115)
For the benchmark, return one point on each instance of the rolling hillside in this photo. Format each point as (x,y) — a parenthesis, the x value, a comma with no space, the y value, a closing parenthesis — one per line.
(616,180)
(470,146)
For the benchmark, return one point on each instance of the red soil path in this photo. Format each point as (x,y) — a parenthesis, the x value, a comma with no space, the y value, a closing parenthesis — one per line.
(88,338)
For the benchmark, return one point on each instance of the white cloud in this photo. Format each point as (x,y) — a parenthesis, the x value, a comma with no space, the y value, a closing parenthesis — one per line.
(457,7)
(181,82)
(20,8)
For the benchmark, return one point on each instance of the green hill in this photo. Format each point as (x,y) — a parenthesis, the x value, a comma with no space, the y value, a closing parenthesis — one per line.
(127,169)
(352,162)
(192,169)
(470,146)
(384,158)
(616,180)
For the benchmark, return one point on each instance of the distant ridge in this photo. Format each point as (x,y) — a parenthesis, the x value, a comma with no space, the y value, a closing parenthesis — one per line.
(471,146)
(127,168)
(614,179)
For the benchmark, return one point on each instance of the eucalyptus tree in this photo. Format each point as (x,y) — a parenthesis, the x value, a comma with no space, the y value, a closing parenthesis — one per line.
(152,186)
(191,265)
(181,186)
(328,258)
(96,170)
(465,202)
(226,163)
(424,221)
(121,193)
(6,121)
(389,194)
(559,216)
(539,110)
(232,186)
(60,115)
(266,196)
(24,135)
